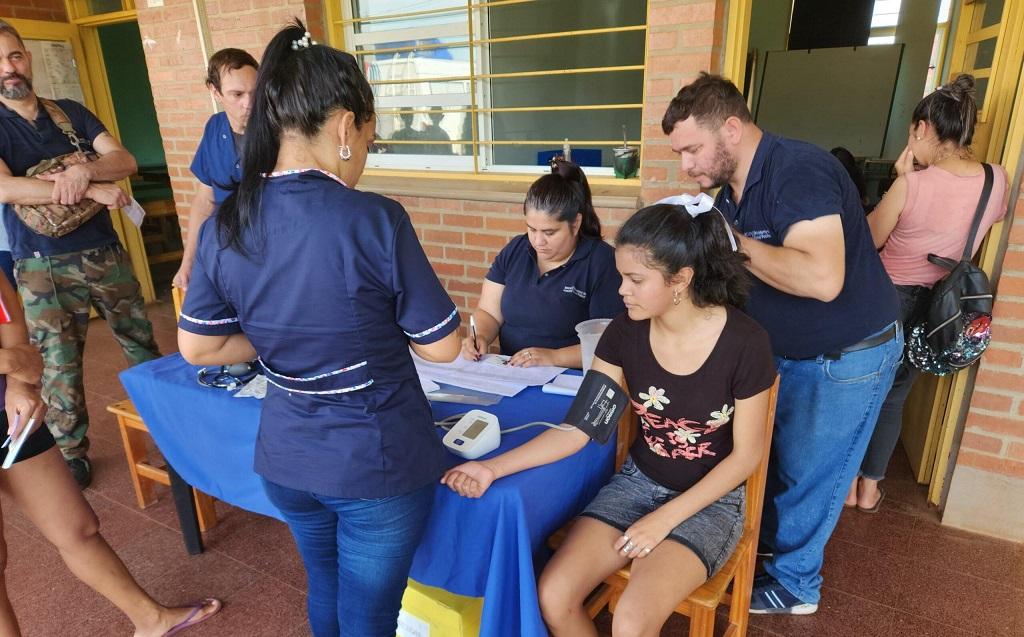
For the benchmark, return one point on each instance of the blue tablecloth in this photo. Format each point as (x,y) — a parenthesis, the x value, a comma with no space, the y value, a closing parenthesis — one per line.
(479,548)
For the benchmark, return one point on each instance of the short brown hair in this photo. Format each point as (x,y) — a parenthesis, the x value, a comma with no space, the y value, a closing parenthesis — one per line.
(710,99)
(230,59)
(5,27)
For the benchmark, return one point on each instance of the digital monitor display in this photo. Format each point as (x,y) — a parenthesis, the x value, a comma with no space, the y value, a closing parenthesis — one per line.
(474,430)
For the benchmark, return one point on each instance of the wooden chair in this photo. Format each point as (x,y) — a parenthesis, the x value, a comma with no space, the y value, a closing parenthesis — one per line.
(144,474)
(700,606)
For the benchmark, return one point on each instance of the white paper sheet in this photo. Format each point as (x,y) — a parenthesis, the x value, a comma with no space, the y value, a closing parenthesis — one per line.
(564,385)
(486,376)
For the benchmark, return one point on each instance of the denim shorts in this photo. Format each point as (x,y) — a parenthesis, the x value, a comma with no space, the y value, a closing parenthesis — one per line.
(712,533)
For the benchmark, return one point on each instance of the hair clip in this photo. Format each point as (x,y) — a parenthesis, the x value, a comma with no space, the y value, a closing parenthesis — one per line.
(697,205)
(557,159)
(303,42)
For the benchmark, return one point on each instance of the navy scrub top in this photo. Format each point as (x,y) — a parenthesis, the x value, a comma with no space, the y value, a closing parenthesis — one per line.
(791,181)
(336,287)
(22,146)
(542,310)
(216,162)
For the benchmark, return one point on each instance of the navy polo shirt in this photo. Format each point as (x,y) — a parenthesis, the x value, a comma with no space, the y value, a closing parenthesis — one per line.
(542,310)
(334,288)
(792,181)
(216,163)
(22,146)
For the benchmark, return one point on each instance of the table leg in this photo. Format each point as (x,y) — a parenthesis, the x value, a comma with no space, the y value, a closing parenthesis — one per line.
(185,504)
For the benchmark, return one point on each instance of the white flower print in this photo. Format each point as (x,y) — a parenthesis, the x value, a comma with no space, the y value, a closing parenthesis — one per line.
(719,418)
(687,435)
(655,398)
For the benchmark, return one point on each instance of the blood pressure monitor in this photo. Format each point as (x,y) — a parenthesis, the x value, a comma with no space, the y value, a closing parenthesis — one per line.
(475,434)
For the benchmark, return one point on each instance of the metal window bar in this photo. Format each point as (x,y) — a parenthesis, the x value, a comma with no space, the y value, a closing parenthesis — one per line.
(472,43)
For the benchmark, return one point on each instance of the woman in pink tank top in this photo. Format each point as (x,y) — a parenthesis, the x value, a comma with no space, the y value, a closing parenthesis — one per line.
(927,210)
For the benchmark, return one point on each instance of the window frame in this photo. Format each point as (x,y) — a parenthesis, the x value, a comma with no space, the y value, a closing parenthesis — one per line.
(341,34)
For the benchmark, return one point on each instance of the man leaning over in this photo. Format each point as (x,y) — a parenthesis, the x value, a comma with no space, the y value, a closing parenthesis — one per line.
(831,311)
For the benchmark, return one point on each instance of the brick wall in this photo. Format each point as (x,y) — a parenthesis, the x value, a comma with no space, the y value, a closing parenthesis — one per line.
(681,42)
(994,431)
(49,10)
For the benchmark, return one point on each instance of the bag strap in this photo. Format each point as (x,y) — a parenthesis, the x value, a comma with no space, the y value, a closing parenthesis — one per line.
(60,118)
(979,213)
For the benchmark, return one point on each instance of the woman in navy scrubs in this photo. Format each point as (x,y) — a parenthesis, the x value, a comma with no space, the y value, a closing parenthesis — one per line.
(329,287)
(546,281)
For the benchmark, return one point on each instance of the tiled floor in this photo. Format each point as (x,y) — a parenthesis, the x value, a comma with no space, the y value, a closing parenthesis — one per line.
(894,573)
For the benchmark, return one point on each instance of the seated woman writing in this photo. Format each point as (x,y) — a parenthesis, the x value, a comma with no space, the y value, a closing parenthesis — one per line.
(546,281)
(699,373)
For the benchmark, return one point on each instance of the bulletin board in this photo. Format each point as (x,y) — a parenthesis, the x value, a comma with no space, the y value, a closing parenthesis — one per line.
(831,97)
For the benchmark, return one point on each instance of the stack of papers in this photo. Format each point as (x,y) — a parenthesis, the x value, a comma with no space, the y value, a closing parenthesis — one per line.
(489,375)
(564,385)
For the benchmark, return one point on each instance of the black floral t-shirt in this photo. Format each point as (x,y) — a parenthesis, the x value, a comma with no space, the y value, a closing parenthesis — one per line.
(686,421)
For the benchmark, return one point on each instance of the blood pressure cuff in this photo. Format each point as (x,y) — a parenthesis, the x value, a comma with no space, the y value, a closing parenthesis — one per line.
(599,404)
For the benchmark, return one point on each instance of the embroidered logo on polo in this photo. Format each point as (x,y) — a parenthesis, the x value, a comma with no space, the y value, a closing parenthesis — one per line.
(760,235)
(571,289)
(676,438)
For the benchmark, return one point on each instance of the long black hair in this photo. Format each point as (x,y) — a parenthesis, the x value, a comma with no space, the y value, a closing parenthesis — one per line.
(299,85)
(563,194)
(672,240)
(951,110)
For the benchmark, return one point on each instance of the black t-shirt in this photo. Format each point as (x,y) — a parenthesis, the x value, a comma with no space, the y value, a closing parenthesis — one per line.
(686,421)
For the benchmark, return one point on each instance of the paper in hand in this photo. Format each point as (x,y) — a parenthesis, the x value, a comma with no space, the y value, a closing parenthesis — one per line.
(135,212)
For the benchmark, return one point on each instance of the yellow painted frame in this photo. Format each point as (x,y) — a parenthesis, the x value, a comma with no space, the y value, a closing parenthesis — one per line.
(737,36)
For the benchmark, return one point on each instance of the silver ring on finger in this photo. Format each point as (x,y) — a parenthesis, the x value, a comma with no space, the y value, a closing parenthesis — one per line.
(645,551)
(629,547)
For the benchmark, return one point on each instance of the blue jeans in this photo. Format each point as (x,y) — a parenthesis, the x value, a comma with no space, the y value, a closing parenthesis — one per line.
(825,414)
(357,555)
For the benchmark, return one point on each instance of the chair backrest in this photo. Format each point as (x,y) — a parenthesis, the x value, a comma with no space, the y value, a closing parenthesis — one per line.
(756,481)
(178,297)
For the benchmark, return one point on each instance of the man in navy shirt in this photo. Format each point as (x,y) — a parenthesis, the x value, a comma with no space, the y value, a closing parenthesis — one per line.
(831,311)
(231,78)
(60,278)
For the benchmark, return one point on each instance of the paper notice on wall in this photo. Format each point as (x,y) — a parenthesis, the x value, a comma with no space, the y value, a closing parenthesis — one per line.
(55,72)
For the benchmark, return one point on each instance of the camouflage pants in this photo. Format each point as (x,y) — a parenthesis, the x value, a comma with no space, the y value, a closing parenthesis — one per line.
(57,292)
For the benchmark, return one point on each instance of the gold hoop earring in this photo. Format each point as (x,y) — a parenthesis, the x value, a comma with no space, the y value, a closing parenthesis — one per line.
(675,297)
(345,152)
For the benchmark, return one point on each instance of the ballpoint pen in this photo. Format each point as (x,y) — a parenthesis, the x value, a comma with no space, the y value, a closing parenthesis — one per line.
(472,332)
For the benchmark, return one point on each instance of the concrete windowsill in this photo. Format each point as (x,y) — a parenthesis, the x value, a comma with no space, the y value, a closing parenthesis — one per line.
(622,194)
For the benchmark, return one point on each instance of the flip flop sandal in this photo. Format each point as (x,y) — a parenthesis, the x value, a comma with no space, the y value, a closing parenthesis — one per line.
(878,503)
(191,620)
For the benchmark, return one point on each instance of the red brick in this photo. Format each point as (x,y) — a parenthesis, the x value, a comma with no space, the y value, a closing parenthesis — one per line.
(684,63)
(696,37)
(980,442)
(1008,425)
(1012,285)
(1008,309)
(458,253)
(661,89)
(425,218)
(442,236)
(440,204)
(1017,230)
(509,224)
(485,240)
(465,221)
(1015,451)
(682,14)
(449,269)
(1014,260)
(992,464)
(654,173)
(991,402)
(487,206)
(1004,358)
(661,40)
